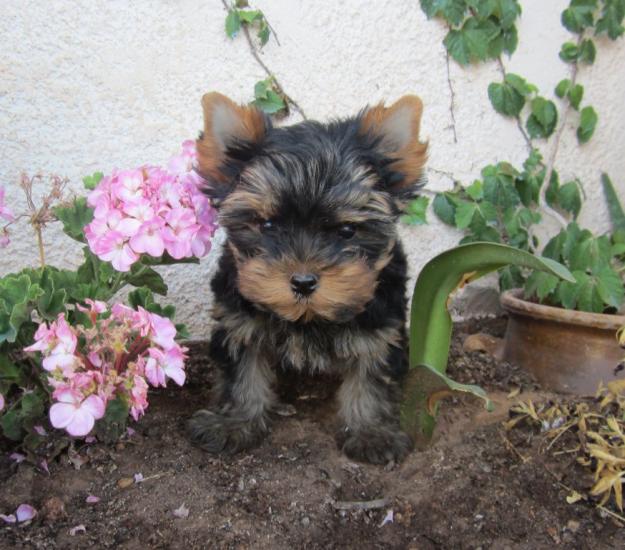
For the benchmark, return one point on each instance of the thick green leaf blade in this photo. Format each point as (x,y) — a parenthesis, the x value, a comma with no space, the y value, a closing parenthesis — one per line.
(430,322)
(617,216)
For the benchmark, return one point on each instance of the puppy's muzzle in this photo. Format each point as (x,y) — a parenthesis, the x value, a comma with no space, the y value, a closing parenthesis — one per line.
(304,284)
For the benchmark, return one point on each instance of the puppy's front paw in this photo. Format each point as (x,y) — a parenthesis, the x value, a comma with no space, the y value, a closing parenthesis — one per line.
(217,433)
(377,446)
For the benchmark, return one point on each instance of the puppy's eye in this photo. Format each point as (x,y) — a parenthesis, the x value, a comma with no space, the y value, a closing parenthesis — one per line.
(265,225)
(347,231)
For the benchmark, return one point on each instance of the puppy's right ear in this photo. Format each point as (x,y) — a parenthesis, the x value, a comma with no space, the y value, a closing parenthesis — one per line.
(230,135)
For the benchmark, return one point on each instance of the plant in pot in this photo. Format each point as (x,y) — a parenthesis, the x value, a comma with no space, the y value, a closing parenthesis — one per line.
(508,205)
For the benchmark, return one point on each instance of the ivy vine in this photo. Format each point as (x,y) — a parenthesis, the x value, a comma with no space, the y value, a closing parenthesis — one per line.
(269,95)
(507,202)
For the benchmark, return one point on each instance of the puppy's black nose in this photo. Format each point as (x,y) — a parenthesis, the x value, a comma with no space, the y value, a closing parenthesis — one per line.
(304,283)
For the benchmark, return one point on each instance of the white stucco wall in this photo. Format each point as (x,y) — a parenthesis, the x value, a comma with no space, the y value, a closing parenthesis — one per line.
(88,86)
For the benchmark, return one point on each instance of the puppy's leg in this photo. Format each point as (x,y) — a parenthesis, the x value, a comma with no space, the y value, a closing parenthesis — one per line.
(369,410)
(245,397)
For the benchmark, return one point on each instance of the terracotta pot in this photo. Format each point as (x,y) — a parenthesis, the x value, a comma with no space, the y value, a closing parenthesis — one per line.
(567,351)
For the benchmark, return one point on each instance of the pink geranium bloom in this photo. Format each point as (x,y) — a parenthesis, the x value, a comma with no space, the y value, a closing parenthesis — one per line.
(180,229)
(163,331)
(75,414)
(183,162)
(138,397)
(128,185)
(114,248)
(1,401)
(169,364)
(149,239)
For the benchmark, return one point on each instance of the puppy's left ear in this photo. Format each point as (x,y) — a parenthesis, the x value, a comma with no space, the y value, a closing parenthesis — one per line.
(395,131)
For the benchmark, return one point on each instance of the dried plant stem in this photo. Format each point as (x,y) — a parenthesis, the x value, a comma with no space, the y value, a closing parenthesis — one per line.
(452,97)
(39,234)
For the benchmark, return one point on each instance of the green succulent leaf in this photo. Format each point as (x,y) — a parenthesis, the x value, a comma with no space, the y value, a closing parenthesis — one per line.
(617,215)
(430,322)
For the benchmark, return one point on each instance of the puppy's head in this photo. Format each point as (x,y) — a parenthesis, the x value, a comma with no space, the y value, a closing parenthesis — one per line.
(310,209)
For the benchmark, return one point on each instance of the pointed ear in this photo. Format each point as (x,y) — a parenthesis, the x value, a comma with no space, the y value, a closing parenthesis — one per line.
(227,127)
(397,129)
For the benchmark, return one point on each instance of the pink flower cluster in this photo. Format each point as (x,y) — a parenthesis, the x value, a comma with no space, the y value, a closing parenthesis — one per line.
(7,215)
(112,358)
(151,210)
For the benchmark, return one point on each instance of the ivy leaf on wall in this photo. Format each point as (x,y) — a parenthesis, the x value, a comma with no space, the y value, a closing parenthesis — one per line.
(444,208)
(579,15)
(611,20)
(471,42)
(451,10)
(542,122)
(416,211)
(587,124)
(233,23)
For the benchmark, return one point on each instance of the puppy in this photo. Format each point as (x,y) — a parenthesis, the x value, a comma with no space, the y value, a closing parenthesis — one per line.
(312,276)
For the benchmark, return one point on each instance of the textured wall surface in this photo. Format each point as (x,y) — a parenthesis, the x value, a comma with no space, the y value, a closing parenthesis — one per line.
(95,85)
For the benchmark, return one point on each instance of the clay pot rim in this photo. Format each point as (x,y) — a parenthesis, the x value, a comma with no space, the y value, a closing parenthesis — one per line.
(512,301)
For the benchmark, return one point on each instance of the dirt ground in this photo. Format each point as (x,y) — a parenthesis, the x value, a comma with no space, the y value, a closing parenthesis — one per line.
(476,487)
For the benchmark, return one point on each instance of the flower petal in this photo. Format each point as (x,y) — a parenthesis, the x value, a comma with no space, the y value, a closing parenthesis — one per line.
(62,414)
(25,512)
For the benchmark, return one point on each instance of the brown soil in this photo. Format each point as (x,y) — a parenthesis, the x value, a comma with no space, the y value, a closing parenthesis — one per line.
(476,487)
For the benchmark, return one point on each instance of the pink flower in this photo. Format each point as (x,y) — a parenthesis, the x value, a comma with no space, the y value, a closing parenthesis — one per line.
(138,397)
(127,187)
(170,364)
(5,212)
(163,330)
(1,401)
(149,239)
(114,248)
(183,162)
(75,414)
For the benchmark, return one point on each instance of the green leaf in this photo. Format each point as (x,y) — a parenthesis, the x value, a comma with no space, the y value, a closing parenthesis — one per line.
(142,275)
(575,95)
(570,198)
(475,190)
(505,99)
(569,52)
(579,15)
(587,124)
(11,423)
(541,285)
(520,84)
(611,20)
(416,211)
(617,216)
(590,253)
(75,217)
(587,52)
(471,42)
(249,16)
(563,87)
(9,371)
(499,185)
(113,425)
(542,122)
(91,182)
(263,32)
(233,23)
(464,214)
(431,324)
(444,208)
(450,10)
(31,406)
(610,287)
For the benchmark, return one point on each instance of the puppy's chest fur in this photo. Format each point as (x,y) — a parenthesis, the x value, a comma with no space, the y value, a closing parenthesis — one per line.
(308,347)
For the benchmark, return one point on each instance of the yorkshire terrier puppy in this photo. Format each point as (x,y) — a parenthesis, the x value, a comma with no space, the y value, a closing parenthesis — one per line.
(312,275)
